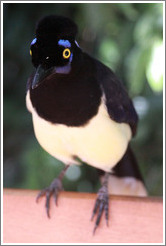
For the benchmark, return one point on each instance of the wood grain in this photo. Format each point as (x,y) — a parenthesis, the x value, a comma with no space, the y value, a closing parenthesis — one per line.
(132,219)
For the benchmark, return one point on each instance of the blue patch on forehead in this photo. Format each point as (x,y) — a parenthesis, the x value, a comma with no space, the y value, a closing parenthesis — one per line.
(34,41)
(64,43)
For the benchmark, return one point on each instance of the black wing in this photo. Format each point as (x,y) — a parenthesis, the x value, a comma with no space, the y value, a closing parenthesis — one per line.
(119,105)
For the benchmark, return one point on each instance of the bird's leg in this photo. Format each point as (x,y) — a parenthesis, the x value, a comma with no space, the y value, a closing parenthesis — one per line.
(54,189)
(102,202)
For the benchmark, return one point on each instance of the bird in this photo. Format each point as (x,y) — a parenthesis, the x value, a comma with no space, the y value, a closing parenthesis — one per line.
(81,113)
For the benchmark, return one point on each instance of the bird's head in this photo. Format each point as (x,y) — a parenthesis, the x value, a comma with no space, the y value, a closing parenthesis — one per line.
(53,48)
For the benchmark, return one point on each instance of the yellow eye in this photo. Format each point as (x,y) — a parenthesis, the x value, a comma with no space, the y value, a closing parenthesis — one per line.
(66,53)
(30,52)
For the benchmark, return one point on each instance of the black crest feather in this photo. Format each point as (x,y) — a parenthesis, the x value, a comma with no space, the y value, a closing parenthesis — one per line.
(55,26)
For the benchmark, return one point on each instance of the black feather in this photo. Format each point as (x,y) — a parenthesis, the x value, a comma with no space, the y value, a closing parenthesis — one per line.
(74,99)
(128,166)
(71,99)
(55,27)
(119,105)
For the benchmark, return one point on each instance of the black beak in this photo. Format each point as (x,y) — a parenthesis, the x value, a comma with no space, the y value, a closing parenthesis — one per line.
(40,75)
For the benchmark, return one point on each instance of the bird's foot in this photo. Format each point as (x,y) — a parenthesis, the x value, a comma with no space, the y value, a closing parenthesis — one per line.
(53,190)
(101,205)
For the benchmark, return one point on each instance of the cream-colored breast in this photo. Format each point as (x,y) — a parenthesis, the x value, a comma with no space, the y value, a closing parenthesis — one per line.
(101,142)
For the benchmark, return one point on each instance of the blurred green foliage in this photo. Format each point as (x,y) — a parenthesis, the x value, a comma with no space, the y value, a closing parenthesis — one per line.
(125,36)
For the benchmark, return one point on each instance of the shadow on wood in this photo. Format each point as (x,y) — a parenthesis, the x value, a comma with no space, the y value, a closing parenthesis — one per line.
(132,219)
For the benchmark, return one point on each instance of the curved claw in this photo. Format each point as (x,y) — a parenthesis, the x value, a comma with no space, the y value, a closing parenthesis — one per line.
(106,208)
(101,205)
(47,205)
(100,212)
(41,193)
(95,208)
(56,192)
(94,229)
(53,189)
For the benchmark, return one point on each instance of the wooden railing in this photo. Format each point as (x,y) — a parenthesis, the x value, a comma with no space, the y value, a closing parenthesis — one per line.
(132,219)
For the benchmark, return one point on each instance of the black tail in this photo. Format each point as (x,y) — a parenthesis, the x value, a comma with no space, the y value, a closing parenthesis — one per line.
(125,177)
(128,166)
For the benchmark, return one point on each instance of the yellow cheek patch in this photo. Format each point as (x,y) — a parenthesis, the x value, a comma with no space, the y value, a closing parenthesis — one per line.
(30,52)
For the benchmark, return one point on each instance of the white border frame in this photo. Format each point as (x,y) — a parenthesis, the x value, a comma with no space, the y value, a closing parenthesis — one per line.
(2,2)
